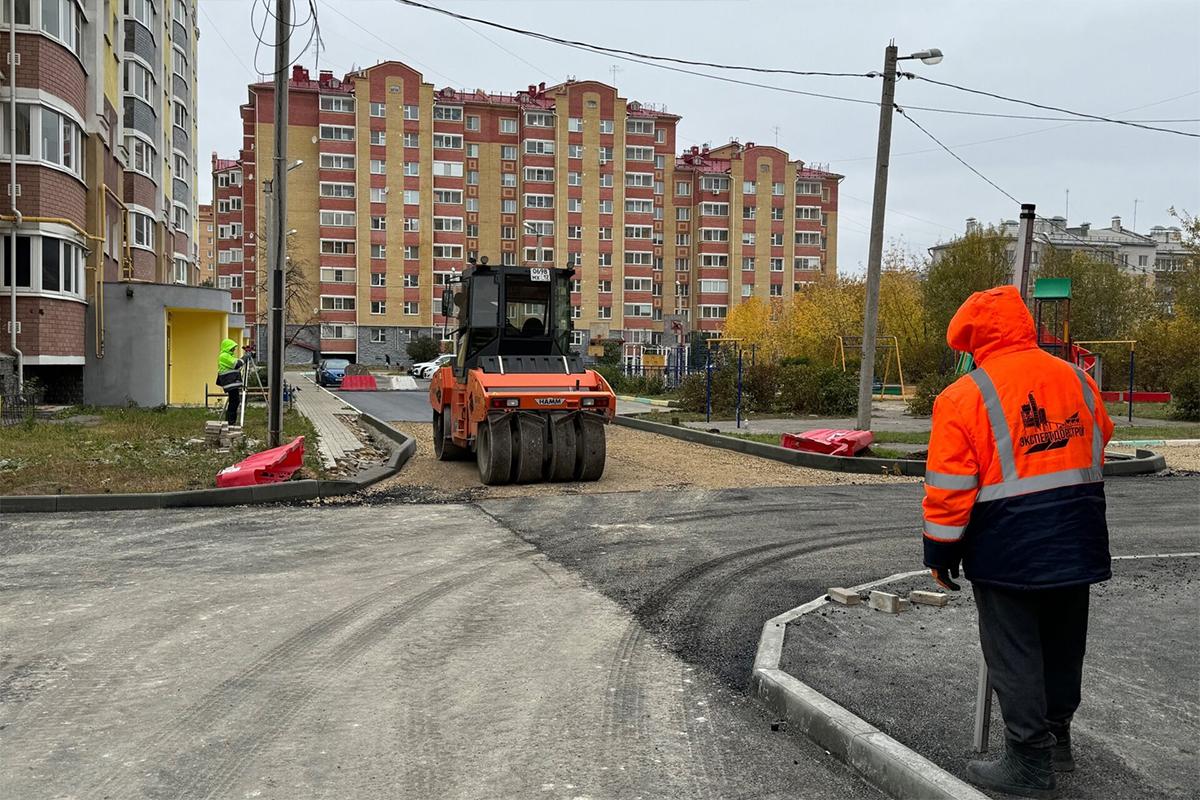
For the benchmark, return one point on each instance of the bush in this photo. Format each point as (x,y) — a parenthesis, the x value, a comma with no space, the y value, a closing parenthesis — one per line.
(928,388)
(838,395)
(1185,395)
(613,375)
(421,349)
(691,392)
(798,388)
(760,384)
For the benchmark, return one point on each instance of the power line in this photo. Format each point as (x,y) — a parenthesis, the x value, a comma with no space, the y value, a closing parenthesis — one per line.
(614,50)
(897,211)
(518,57)
(217,29)
(332,7)
(955,156)
(1045,107)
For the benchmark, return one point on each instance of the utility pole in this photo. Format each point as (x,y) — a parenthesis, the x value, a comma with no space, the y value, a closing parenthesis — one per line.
(278,227)
(866,371)
(1023,250)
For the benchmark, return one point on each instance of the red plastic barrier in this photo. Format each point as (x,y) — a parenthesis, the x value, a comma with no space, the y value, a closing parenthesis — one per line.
(830,442)
(359,383)
(1138,397)
(270,466)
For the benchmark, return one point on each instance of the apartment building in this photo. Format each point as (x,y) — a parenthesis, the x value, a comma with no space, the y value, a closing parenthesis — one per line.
(206,259)
(399,183)
(106,244)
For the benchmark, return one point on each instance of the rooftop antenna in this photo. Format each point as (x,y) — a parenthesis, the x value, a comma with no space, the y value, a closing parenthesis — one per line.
(1135,204)
(776,129)
(1067,210)
(614,69)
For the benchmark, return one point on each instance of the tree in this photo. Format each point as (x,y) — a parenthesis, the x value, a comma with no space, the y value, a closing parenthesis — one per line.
(1184,281)
(1106,303)
(976,262)
(300,312)
(751,322)
(421,349)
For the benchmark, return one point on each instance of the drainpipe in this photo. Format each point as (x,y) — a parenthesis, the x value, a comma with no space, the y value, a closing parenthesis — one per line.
(12,192)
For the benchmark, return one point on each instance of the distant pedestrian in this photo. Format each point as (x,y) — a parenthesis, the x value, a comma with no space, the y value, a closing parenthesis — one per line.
(1014,490)
(229,378)
(387,359)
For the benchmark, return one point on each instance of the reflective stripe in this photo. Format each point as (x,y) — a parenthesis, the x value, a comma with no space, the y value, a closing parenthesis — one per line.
(946,480)
(991,400)
(945,533)
(1097,436)
(1039,483)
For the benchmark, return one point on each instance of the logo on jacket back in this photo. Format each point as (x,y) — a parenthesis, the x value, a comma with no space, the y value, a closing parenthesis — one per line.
(1042,434)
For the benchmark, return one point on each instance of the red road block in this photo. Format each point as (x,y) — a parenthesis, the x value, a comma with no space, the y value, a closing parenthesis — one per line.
(270,466)
(1138,397)
(830,442)
(359,383)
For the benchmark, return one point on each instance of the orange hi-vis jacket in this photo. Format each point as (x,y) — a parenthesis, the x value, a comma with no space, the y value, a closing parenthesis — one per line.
(1014,484)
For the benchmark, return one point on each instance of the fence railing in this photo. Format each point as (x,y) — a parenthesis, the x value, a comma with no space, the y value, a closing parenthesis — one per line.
(15,409)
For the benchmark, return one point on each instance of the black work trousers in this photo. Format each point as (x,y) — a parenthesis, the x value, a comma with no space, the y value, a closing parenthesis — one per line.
(1033,642)
(233,400)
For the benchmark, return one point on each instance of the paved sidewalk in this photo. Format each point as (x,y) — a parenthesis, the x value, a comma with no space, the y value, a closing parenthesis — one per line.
(324,409)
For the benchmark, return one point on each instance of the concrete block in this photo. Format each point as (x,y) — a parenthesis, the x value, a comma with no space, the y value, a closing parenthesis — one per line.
(844,596)
(902,604)
(924,598)
(887,602)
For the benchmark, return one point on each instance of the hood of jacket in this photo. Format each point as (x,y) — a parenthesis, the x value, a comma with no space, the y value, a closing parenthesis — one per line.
(992,323)
(228,346)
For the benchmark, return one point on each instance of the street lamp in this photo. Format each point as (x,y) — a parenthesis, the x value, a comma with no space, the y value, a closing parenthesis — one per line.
(534,230)
(866,371)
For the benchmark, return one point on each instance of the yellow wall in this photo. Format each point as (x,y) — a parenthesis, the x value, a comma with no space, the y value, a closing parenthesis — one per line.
(195,345)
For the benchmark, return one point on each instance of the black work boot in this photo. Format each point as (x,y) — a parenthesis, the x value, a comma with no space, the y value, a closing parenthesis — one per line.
(1023,771)
(1064,760)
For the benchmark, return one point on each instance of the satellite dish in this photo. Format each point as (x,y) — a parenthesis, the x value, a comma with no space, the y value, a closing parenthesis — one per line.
(314,140)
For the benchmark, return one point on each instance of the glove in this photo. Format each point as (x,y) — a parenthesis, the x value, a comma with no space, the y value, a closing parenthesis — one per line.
(943,577)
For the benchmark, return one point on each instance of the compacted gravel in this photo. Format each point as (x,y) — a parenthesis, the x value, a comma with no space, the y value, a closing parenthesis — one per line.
(637,461)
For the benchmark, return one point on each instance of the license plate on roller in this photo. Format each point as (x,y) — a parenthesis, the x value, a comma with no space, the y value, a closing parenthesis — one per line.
(539,274)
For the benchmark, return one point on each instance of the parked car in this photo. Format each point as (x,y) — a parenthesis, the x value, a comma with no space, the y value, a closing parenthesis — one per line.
(331,371)
(425,369)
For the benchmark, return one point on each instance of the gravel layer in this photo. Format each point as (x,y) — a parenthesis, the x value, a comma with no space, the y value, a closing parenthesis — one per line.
(637,461)
(1180,458)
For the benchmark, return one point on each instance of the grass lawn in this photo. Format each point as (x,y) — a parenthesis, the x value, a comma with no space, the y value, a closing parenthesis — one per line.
(132,450)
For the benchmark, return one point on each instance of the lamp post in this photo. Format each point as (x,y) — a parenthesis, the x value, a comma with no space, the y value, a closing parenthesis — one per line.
(534,230)
(866,372)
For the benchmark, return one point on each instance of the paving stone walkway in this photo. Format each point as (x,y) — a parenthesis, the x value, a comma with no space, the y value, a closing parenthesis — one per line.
(326,412)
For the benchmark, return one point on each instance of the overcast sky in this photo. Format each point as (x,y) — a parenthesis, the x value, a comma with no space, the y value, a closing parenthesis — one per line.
(1107,57)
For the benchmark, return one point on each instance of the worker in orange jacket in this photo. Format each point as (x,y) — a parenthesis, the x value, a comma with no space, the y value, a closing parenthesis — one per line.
(1014,491)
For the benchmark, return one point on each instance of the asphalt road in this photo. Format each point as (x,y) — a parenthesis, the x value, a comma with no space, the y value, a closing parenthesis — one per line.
(393,406)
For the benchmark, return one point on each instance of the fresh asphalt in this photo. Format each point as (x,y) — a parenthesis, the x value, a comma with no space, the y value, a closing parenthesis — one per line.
(408,406)
(573,646)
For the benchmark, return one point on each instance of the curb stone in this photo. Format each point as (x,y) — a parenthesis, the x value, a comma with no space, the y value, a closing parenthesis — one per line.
(401,449)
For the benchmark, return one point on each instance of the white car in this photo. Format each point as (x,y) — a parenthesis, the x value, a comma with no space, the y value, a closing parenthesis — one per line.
(426,369)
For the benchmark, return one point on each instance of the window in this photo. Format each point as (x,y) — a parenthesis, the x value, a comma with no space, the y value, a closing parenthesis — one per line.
(714,286)
(143,229)
(531,254)
(605,259)
(448,196)
(639,179)
(713,312)
(808,212)
(412,308)
(606,180)
(574,179)
(508,206)
(341,105)
(337,133)
(454,224)
(776,265)
(472,204)
(777,240)
(141,10)
(639,206)
(451,113)
(776,290)
(412,169)
(412,112)
(379,335)
(330,275)
(472,151)
(574,125)
(412,252)
(777,212)
(63,20)
(638,258)
(328,189)
(683,213)
(574,151)
(574,204)
(660,162)
(508,152)
(683,240)
(607,126)
(708,260)
(539,174)
(508,125)
(412,140)
(378,251)
(808,187)
(777,189)
(638,231)
(411,197)
(379,195)
(606,155)
(138,81)
(638,284)
(448,169)
(660,135)
(714,183)
(604,287)
(378,306)
(808,238)
(378,166)
(539,147)
(141,153)
(714,234)
(337,247)
(748,262)
(639,153)
(378,137)
(472,122)
(714,209)
(378,110)
(338,331)
(640,127)
(682,264)
(508,259)
(749,212)
(683,188)
(454,251)
(604,312)
(806,262)
(336,303)
(379,223)
(448,141)
(539,201)
(539,120)
(411,281)
(638,309)
(574,231)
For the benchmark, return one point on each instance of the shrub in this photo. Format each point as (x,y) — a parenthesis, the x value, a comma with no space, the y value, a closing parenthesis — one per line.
(612,374)
(760,384)
(798,388)
(421,349)
(838,393)
(928,388)
(691,392)
(1185,395)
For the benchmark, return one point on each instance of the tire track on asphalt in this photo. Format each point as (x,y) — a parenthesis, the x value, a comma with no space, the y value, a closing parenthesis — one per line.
(238,691)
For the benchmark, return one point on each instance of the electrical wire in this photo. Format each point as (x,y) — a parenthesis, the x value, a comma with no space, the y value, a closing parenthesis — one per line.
(331,7)
(221,36)
(955,156)
(1045,107)
(517,56)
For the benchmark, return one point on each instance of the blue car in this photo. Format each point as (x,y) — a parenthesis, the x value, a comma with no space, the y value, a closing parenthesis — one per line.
(331,371)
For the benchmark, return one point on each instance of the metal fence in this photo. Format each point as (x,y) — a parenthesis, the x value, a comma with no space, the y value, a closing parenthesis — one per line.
(15,409)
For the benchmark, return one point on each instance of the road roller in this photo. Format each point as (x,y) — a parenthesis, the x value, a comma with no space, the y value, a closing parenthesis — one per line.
(514,396)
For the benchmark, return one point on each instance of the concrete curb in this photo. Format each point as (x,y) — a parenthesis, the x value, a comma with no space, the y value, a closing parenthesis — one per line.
(402,448)
(1144,462)
(1154,443)
(653,401)
(881,760)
